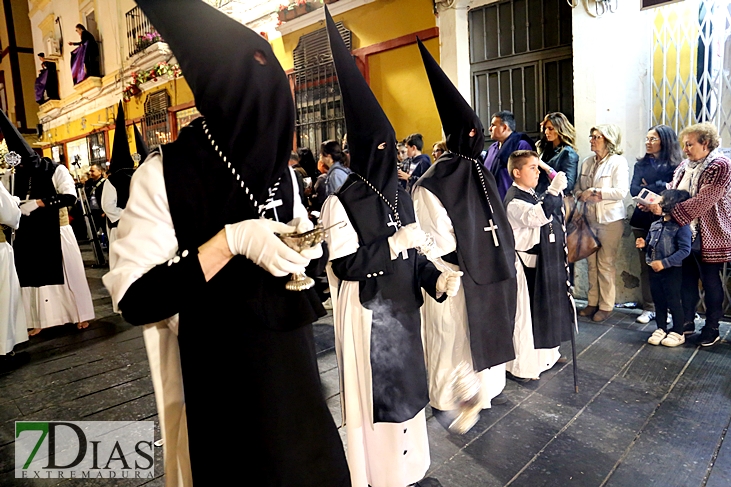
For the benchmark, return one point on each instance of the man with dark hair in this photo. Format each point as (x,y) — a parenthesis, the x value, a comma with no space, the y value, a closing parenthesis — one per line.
(502,130)
(419,163)
(94,187)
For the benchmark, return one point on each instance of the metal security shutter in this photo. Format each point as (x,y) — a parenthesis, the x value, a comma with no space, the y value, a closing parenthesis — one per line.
(319,109)
(521,60)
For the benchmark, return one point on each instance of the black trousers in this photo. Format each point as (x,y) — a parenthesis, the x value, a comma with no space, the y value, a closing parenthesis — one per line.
(710,275)
(666,293)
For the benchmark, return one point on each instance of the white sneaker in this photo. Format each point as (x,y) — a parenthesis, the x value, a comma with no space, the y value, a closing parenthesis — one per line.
(673,339)
(657,337)
(646,317)
(328,304)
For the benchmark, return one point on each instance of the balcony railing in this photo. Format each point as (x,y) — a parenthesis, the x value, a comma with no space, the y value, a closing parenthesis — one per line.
(140,32)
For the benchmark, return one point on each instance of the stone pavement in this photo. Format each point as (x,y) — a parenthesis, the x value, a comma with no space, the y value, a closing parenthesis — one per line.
(644,415)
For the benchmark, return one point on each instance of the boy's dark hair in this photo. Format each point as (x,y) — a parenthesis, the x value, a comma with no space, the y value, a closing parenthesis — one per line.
(671,197)
(415,140)
(507,118)
(41,54)
(518,159)
(332,148)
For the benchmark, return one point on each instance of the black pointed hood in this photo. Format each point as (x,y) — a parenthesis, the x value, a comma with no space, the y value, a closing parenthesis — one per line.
(17,143)
(458,117)
(140,144)
(238,84)
(121,156)
(371,138)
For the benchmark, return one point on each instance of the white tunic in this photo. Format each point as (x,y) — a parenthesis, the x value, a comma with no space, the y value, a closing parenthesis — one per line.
(380,454)
(112,211)
(445,327)
(527,220)
(12,313)
(145,239)
(71,301)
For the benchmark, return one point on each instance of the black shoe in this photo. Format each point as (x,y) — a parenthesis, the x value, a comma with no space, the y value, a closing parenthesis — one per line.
(13,361)
(521,380)
(709,336)
(444,418)
(689,328)
(499,399)
(428,482)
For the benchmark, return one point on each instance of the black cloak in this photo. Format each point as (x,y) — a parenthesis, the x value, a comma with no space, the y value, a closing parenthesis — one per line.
(37,246)
(391,289)
(457,180)
(552,312)
(265,345)
(140,144)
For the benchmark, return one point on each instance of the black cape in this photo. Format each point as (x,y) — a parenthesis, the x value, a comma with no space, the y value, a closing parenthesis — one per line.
(37,247)
(551,310)
(397,356)
(489,272)
(267,347)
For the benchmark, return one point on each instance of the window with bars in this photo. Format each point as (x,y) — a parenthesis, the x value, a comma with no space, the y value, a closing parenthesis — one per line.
(691,65)
(318,106)
(97,149)
(156,122)
(521,60)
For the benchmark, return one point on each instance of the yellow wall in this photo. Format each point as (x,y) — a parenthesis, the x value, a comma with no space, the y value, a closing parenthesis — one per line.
(400,84)
(397,76)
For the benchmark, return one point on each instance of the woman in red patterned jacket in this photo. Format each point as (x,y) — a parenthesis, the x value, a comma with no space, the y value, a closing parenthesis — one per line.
(706,174)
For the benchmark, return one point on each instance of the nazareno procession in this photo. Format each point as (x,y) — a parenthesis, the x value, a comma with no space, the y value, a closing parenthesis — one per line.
(444,278)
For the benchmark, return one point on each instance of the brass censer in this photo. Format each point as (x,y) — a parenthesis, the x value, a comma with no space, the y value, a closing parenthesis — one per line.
(299,242)
(467,394)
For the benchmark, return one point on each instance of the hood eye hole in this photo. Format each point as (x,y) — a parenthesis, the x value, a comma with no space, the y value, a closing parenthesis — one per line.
(381,146)
(260,57)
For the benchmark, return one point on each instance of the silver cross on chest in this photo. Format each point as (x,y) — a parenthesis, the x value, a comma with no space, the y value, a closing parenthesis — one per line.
(492,229)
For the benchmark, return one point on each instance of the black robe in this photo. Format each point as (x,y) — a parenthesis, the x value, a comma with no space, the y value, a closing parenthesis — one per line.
(391,289)
(489,272)
(552,312)
(37,247)
(242,324)
(121,180)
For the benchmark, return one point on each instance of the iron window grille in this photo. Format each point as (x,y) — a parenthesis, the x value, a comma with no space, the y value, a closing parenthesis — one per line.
(156,122)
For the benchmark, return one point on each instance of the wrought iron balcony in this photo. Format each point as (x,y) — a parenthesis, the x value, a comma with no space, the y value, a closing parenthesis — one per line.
(140,32)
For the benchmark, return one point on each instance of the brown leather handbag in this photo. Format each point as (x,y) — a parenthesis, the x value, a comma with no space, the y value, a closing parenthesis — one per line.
(580,239)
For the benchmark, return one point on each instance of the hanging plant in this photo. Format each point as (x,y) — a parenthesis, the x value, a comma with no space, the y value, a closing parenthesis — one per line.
(161,69)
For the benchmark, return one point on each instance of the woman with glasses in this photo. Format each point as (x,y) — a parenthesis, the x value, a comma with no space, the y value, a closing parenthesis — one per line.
(557,148)
(602,185)
(653,171)
(438,149)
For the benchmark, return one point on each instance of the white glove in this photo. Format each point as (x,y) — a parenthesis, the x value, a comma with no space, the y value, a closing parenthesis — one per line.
(255,240)
(407,237)
(302,225)
(449,282)
(27,207)
(558,184)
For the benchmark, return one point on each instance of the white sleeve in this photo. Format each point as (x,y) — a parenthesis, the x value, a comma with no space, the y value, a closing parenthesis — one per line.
(299,209)
(145,235)
(342,239)
(9,210)
(434,220)
(620,180)
(109,202)
(524,215)
(63,182)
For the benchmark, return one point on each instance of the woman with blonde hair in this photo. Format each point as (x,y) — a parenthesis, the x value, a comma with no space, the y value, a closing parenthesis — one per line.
(602,186)
(706,175)
(438,149)
(557,148)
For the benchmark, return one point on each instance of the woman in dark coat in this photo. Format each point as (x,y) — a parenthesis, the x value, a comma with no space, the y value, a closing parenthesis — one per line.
(558,149)
(652,171)
(88,51)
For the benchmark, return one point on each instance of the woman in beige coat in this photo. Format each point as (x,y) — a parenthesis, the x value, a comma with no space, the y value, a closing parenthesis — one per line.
(602,185)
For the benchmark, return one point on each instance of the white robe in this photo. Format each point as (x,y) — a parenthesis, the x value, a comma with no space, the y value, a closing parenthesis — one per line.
(71,301)
(380,454)
(112,211)
(146,224)
(527,220)
(12,313)
(445,327)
